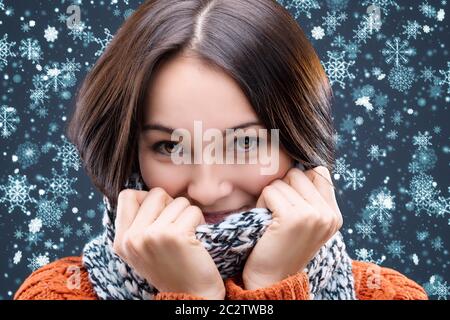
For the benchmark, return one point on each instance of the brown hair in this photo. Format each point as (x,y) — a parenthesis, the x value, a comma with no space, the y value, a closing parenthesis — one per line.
(257,42)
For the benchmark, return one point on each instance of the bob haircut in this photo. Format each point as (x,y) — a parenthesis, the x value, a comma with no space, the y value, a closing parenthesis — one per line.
(256,42)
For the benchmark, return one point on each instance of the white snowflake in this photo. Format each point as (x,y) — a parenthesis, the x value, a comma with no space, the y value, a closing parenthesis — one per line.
(30,49)
(397,51)
(365,102)
(422,141)
(337,68)
(355,179)
(318,33)
(411,29)
(17,192)
(35,225)
(103,42)
(17,257)
(8,121)
(51,34)
(446,74)
(5,51)
(440,15)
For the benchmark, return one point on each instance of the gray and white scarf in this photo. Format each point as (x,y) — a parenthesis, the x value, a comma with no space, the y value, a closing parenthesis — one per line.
(229,243)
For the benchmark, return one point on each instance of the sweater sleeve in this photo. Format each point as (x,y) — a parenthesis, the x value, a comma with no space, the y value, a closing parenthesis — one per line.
(64,279)
(373,282)
(295,287)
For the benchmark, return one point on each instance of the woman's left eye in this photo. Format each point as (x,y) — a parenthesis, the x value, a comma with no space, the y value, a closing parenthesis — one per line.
(247,143)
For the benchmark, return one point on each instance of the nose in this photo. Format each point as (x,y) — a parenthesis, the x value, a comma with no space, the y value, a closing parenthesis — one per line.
(207,185)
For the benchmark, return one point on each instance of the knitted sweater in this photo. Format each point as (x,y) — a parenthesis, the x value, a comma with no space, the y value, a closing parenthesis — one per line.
(67,279)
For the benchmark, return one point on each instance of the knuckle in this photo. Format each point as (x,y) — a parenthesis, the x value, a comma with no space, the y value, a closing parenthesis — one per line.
(158,192)
(125,195)
(183,199)
(194,209)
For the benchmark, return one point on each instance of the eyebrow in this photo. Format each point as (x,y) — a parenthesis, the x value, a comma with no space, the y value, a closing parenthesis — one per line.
(169,130)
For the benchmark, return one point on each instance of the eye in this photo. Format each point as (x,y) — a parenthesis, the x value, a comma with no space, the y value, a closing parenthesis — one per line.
(246,143)
(168,147)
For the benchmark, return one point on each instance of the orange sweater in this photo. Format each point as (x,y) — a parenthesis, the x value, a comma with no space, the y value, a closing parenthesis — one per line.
(67,279)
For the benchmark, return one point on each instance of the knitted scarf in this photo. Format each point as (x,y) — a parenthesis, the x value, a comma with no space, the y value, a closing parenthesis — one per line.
(229,243)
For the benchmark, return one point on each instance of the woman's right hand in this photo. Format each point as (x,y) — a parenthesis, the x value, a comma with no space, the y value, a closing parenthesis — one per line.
(155,234)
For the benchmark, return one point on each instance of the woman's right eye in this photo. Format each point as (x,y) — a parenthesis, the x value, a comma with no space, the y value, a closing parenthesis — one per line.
(168,147)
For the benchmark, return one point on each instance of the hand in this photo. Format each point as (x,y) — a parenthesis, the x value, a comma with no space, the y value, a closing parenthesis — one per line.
(305,215)
(155,234)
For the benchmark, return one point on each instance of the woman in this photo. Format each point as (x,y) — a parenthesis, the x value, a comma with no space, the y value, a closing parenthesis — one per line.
(170,231)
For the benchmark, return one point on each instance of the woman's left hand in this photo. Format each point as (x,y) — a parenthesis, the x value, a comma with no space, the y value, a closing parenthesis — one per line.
(305,215)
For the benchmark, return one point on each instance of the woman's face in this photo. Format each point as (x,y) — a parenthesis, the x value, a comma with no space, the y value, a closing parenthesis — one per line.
(185,90)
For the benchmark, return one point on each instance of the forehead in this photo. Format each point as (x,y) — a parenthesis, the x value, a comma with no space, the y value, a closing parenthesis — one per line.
(185,89)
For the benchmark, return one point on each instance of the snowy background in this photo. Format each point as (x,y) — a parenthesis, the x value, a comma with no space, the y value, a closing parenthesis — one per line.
(389,65)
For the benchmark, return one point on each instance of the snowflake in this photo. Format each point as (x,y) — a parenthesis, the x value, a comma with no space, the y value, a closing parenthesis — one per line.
(51,34)
(68,155)
(395,248)
(381,203)
(397,51)
(441,206)
(365,228)
(17,192)
(8,121)
(317,33)
(103,42)
(392,134)
(401,78)
(77,30)
(35,225)
(422,140)
(28,154)
(437,244)
(337,68)
(440,15)
(375,152)
(427,74)
(354,178)
(352,49)
(49,212)
(331,21)
(422,235)
(366,255)
(446,74)
(340,167)
(411,29)
(441,290)
(423,192)
(427,10)
(31,50)
(300,6)
(60,185)
(397,118)
(348,124)
(38,261)
(5,51)
(17,257)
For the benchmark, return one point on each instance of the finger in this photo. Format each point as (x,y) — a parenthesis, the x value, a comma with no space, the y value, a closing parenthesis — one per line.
(155,201)
(304,186)
(171,212)
(189,219)
(276,201)
(292,196)
(128,203)
(321,178)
